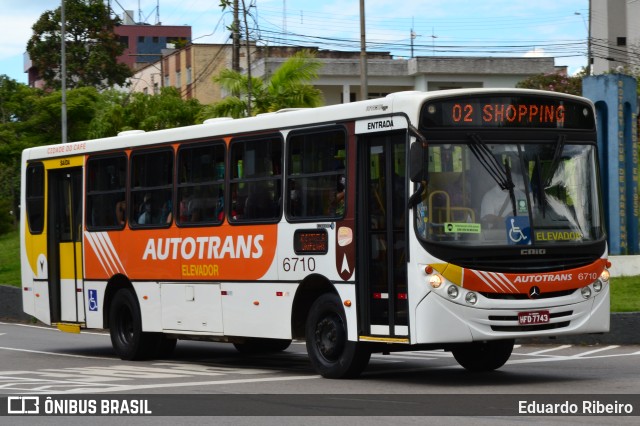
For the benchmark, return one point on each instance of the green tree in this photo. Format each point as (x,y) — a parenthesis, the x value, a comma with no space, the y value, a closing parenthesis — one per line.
(31,117)
(555,82)
(288,87)
(17,104)
(118,112)
(92,47)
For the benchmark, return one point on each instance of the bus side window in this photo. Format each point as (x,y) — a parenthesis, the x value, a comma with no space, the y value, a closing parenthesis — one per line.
(106,192)
(256,179)
(316,174)
(201,184)
(152,172)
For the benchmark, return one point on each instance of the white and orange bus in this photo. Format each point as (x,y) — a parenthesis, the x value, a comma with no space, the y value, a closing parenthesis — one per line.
(460,220)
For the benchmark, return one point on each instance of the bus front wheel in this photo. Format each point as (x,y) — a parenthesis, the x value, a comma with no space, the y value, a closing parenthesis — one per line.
(483,356)
(125,328)
(331,354)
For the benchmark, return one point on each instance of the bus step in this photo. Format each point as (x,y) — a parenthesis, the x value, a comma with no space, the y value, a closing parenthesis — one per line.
(68,327)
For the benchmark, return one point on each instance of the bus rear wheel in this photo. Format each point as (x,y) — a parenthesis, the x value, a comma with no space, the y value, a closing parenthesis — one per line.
(125,328)
(483,356)
(331,354)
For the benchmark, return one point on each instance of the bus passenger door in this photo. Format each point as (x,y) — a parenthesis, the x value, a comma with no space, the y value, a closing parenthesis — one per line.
(382,228)
(64,244)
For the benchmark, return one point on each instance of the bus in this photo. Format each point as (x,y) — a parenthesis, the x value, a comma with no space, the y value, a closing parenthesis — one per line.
(456,220)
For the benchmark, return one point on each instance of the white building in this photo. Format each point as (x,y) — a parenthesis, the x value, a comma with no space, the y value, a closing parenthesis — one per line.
(615,35)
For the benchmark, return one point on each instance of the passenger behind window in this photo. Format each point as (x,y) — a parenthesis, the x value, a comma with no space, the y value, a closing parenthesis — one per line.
(121,207)
(144,212)
(259,204)
(167,212)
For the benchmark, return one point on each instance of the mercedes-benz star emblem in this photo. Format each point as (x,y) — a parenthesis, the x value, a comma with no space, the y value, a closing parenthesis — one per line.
(534,292)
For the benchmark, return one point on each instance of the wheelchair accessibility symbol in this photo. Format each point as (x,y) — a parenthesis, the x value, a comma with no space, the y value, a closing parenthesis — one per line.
(518,230)
(93,300)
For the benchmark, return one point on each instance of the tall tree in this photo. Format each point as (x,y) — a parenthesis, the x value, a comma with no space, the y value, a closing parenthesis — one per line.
(288,87)
(91,45)
(118,111)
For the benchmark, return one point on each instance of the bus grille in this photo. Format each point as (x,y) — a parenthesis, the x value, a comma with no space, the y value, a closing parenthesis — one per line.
(525,328)
(522,296)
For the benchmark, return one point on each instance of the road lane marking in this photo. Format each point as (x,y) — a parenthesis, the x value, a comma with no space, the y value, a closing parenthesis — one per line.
(124,388)
(546,350)
(597,350)
(55,353)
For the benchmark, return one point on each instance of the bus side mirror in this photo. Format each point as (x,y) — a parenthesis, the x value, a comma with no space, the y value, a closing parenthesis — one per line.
(417,161)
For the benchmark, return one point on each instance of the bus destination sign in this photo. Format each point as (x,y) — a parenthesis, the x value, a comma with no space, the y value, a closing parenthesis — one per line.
(507,111)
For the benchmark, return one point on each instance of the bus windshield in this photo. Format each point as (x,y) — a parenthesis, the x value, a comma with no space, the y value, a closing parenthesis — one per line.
(489,193)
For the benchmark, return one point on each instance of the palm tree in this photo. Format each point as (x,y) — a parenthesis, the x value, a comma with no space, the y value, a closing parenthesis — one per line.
(288,87)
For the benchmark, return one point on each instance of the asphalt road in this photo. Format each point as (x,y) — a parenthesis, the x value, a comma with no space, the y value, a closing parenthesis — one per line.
(203,377)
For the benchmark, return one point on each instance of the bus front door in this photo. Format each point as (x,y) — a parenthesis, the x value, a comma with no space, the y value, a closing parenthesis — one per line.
(64,245)
(382,205)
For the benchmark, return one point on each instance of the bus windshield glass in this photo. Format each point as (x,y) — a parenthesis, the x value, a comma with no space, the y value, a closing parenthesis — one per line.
(488,193)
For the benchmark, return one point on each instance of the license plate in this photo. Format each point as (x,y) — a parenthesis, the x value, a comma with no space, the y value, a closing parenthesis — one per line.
(536,317)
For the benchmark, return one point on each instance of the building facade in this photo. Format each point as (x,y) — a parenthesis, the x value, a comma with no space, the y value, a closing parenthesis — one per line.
(145,43)
(614,35)
(192,68)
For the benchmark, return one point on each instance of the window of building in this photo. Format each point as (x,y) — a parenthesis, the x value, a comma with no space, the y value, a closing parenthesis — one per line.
(316,177)
(178,79)
(35,197)
(151,188)
(201,171)
(156,40)
(106,190)
(140,39)
(622,41)
(256,179)
(189,75)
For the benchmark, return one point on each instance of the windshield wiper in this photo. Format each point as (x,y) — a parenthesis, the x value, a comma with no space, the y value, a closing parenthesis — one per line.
(502,176)
(510,186)
(491,164)
(556,160)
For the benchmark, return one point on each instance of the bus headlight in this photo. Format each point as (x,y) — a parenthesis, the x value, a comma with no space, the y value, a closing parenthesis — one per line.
(435,281)
(452,291)
(586,292)
(471,298)
(597,286)
(604,276)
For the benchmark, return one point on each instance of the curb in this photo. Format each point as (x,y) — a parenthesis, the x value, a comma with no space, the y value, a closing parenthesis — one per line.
(624,328)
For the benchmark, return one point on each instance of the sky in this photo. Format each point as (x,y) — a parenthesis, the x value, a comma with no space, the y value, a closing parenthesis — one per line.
(515,28)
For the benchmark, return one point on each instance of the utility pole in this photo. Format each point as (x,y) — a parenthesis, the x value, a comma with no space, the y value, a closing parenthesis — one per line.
(246,31)
(589,42)
(63,72)
(235,54)
(364,90)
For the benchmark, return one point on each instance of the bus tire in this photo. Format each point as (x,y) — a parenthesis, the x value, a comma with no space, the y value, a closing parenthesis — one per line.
(254,346)
(483,356)
(125,328)
(331,354)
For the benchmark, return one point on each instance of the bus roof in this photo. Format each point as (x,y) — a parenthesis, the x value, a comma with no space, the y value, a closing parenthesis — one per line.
(406,103)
